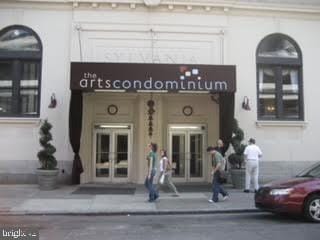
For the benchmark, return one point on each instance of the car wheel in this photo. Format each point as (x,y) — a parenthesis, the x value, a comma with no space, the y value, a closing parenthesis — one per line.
(312,208)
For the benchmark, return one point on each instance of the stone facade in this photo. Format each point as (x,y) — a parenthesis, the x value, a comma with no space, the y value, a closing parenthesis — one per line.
(188,32)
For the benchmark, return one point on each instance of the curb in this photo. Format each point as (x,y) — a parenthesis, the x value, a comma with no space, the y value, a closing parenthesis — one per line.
(134,213)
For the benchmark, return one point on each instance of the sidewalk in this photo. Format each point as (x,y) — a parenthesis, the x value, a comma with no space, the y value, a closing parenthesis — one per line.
(28,199)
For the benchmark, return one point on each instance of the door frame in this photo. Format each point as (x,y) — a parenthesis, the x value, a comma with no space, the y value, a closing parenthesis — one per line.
(112,130)
(187,130)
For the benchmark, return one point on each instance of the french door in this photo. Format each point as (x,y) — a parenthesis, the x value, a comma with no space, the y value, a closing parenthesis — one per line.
(112,154)
(187,152)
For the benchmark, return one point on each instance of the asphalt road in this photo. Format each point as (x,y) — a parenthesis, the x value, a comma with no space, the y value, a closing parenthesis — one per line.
(253,226)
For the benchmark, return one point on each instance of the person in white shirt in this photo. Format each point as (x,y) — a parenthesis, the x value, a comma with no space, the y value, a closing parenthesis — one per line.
(165,172)
(252,155)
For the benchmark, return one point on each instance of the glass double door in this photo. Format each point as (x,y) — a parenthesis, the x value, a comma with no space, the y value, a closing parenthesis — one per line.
(111,155)
(187,154)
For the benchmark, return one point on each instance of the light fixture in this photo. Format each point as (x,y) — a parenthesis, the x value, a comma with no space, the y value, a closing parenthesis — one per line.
(270,108)
(94,5)
(132,5)
(245,103)
(186,127)
(75,4)
(113,126)
(53,101)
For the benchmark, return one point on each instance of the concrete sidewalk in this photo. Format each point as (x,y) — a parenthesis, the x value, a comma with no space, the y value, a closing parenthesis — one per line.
(28,199)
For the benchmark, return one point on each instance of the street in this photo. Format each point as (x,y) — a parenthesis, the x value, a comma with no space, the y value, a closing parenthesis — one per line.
(249,226)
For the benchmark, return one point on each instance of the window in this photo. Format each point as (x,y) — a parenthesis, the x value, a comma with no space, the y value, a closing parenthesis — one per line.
(20,72)
(279,79)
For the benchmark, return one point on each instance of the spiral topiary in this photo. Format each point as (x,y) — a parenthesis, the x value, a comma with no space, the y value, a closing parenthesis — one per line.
(46,155)
(236,159)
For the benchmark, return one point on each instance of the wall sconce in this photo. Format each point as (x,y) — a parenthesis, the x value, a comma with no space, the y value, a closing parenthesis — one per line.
(53,101)
(215,98)
(245,103)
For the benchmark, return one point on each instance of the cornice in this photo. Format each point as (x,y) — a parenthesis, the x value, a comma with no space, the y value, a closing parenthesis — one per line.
(189,5)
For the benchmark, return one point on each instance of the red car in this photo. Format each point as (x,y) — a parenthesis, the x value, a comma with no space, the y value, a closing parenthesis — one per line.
(299,195)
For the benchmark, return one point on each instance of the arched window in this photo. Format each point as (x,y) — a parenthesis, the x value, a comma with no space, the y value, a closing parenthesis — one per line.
(20,72)
(279,78)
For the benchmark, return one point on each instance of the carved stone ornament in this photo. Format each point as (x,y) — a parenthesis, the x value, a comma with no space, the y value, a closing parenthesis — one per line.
(187,110)
(112,109)
(151,111)
(152,3)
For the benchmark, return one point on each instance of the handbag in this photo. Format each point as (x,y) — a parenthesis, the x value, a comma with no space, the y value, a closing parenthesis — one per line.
(161,181)
(222,176)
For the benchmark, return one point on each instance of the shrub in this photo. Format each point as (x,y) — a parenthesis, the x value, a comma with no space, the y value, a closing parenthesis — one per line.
(46,155)
(236,159)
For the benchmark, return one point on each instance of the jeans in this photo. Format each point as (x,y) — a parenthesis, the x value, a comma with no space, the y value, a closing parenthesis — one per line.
(148,183)
(217,187)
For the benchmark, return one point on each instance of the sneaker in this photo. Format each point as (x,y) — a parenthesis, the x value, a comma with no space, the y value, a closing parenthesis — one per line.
(225,198)
(246,191)
(210,201)
(175,195)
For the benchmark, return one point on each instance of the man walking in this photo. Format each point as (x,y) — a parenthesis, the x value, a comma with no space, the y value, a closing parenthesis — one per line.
(252,154)
(217,164)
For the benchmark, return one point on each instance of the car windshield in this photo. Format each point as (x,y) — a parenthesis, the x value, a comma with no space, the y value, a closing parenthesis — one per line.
(313,171)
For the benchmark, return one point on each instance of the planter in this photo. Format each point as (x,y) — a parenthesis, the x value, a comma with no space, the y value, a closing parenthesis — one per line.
(238,177)
(47,179)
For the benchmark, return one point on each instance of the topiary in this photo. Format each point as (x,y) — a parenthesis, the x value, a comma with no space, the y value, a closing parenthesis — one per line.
(46,155)
(236,159)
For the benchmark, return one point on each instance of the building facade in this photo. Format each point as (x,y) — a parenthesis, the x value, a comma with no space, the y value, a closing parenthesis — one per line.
(271,48)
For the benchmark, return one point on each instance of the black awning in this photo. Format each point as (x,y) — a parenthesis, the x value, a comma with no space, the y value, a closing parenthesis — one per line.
(132,77)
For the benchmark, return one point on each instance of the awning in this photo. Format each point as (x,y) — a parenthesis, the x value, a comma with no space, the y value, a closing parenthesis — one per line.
(140,77)
(146,77)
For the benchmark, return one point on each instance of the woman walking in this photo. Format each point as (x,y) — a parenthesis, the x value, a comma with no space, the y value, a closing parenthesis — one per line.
(152,169)
(165,172)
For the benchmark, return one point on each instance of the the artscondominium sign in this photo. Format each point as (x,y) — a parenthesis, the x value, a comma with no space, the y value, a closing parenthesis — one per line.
(132,77)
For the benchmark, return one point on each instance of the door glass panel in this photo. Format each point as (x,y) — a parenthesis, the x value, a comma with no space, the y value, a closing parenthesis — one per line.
(196,155)
(121,156)
(103,155)
(178,155)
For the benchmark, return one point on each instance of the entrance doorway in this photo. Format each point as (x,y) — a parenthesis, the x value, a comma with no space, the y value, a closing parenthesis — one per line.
(187,152)
(112,153)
